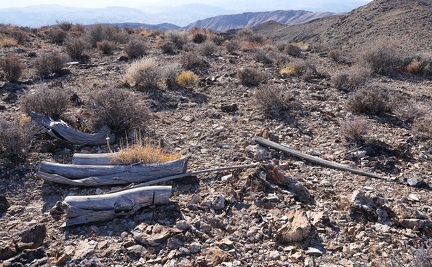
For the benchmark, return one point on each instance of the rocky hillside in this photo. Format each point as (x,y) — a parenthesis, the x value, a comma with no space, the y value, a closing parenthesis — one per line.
(207,97)
(246,20)
(408,22)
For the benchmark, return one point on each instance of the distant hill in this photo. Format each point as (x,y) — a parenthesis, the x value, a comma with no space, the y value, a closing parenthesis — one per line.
(407,22)
(250,19)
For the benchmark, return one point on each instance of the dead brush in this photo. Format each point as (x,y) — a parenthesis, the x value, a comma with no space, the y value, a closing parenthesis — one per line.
(142,152)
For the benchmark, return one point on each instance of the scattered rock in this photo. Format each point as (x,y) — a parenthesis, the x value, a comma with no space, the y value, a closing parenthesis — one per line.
(33,237)
(296,229)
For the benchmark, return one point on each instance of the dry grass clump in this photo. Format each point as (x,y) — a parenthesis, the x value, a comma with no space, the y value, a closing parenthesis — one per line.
(191,61)
(118,109)
(15,140)
(421,66)
(143,153)
(274,101)
(135,48)
(106,47)
(20,35)
(50,63)
(8,41)
(143,73)
(56,35)
(178,38)
(52,102)
(187,79)
(250,76)
(301,68)
(12,68)
(353,78)
(207,48)
(170,73)
(371,100)
(355,130)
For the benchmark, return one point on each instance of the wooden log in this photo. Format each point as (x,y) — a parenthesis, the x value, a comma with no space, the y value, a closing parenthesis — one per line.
(130,173)
(84,209)
(94,159)
(62,130)
(313,159)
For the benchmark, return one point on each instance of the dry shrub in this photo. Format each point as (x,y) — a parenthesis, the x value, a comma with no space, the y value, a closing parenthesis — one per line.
(143,73)
(421,66)
(250,76)
(301,68)
(381,58)
(198,36)
(293,50)
(15,140)
(50,63)
(135,48)
(371,100)
(52,102)
(20,35)
(274,101)
(232,46)
(187,79)
(352,79)
(170,73)
(191,61)
(56,35)
(355,130)
(410,111)
(8,41)
(12,68)
(106,47)
(263,56)
(118,109)
(64,25)
(178,38)
(141,152)
(207,48)
(75,47)
(101,32)
(165,45)
(423,125)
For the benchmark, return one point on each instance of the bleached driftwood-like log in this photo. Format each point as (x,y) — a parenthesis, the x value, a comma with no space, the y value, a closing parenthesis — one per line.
(95,159)
(62,130)
(94,175)
(84,209)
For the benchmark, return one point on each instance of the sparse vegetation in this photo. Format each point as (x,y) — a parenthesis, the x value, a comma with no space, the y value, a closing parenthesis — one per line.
(75,47)
(275,101)
(301,68)
(50,63)
(423,125)
(8,41)
(250,76)
(15,140)
(381,58)
(191,61)
(187,79)
(207,48)
(118,109)
(352,79)
(135,48)
(170,74)
(52,102)
(56,35)
(12,68)
(106,47)
(143,73)
(371,100)
(355,130)
(178,38)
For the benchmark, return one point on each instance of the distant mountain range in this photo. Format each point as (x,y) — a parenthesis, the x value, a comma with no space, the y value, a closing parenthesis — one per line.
(208,17)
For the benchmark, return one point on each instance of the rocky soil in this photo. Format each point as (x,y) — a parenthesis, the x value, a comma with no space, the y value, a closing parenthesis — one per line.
(240,218)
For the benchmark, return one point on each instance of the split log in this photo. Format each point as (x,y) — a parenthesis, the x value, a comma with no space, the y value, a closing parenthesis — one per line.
(62,130)
(94,159)
(84,209)
(152,170)
(313,159)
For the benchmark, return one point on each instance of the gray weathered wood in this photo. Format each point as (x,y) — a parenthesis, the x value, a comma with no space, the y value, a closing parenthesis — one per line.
(84,209)
(126,173)
(313,159)
(62,130)
(94,159)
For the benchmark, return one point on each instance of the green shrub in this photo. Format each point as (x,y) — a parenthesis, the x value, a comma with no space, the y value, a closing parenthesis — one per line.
(52,102)
(12,68)
(118,109)
(250,76)
(143,73)
(371,100)
(50,63)
(135,48)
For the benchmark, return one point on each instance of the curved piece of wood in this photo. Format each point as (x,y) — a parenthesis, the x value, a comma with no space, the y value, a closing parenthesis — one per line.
(84,209)
(130,173)
(313,159)
(94,159)
(62,130)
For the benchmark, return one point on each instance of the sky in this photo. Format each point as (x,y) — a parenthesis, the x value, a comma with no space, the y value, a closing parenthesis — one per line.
(318,5)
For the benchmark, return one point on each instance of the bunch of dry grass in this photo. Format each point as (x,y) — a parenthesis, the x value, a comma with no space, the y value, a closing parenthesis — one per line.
(143,73)
(371,100)
(275,101)
(355,130)
(15,139)
(187,79)
(135,48)
(143,153)
(8,41)
(250,76)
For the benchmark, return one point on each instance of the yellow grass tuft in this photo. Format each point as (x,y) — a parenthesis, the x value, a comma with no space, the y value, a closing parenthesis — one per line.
(8,42)
(290,69)
(143,154)
(187,79)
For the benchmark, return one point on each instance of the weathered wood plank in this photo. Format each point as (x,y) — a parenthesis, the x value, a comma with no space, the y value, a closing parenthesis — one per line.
(131,173)
(94,159)
(62,130)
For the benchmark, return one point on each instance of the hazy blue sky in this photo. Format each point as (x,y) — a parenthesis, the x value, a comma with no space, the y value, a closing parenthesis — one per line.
(313,5)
